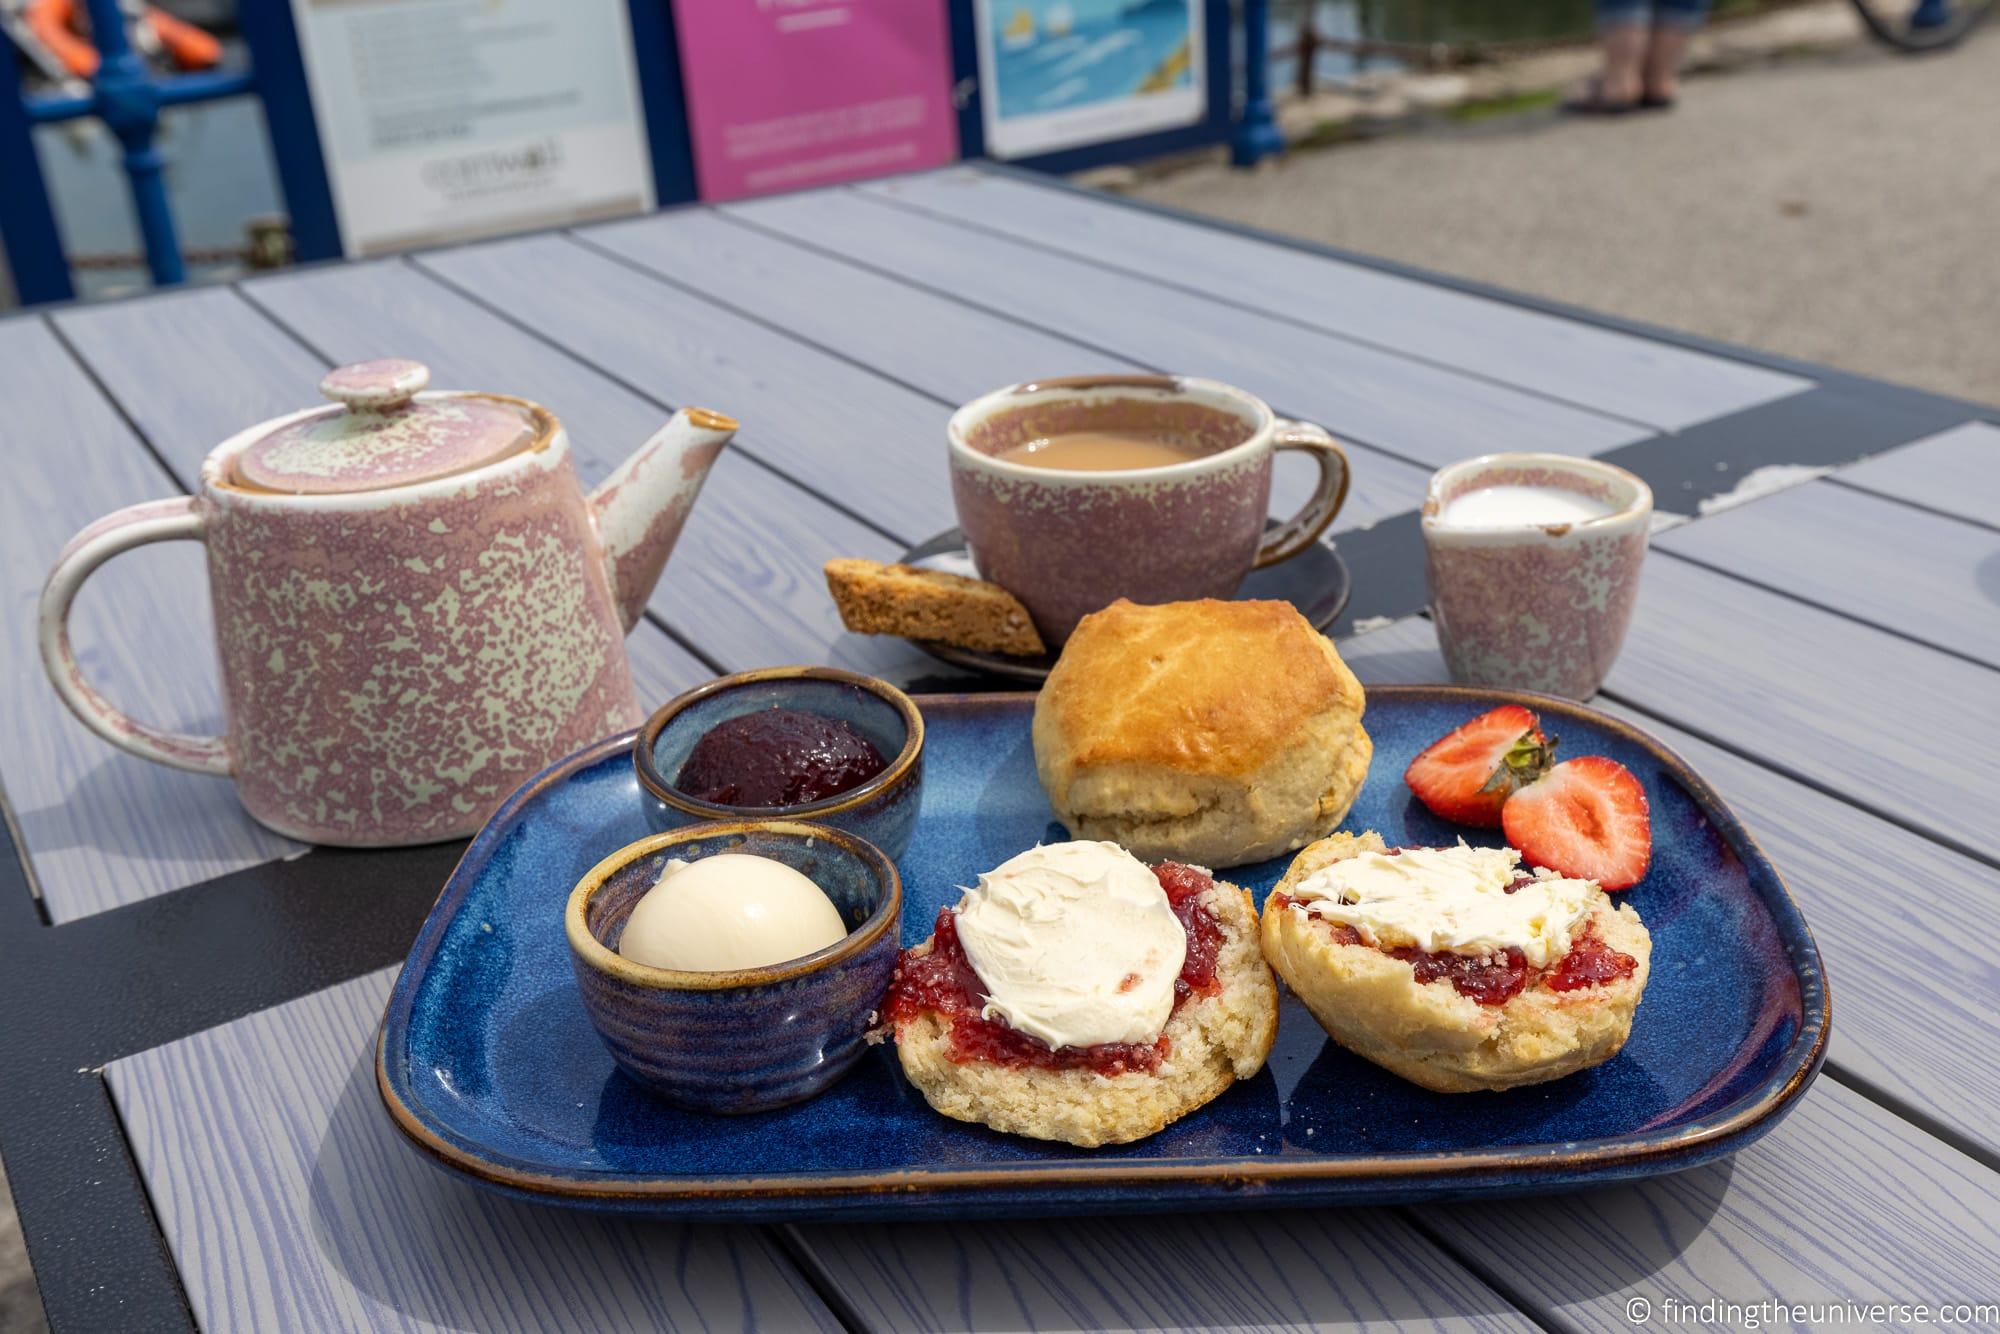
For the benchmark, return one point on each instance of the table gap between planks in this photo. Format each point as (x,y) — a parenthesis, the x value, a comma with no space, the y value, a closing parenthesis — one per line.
(843,326)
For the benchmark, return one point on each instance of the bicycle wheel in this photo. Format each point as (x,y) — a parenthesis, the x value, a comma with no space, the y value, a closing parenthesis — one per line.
(1922,25)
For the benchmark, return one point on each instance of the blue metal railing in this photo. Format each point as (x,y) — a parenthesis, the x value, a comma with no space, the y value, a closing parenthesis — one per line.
(1256,135)
(129,98)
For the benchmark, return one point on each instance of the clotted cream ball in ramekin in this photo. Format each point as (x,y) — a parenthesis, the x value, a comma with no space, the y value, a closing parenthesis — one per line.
(748,1039)
(881,809)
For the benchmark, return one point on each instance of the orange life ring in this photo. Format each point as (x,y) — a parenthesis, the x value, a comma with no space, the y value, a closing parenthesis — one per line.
(54,25)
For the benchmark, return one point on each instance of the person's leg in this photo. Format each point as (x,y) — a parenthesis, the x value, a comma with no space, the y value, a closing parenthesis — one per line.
(1674,25)
(1624,30)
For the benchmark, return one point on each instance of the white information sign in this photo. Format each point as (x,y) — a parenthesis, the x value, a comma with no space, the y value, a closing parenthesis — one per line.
(443,120)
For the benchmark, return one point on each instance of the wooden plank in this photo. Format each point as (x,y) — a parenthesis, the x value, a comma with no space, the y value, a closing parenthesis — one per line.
(1383,485)
(1667,387)
(1323,1269)
(1841,1203)
(193,368)
(101,827)
(1405,653)
(744,583)
(1425,414)
(1894,726)
(290,1202)
(950,351)
(874,446)
(1917,992)
(1929,577)
(1957,472)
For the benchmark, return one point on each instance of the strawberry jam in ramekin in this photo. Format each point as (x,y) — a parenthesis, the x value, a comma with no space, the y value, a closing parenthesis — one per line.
(943,982)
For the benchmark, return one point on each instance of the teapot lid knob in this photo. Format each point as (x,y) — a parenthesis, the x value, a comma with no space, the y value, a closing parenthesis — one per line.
(376,386)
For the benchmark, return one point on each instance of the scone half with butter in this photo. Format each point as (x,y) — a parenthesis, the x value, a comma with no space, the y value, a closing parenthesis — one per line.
(1218,733)
(1075,994)
(1457,968)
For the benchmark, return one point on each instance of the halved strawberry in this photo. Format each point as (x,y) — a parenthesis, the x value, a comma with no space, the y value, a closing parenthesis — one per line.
(1468,774)
(1586,819)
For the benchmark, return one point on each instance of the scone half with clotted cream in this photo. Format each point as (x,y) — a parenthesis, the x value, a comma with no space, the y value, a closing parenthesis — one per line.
(1218,733)
(1457,968)
(1075,994)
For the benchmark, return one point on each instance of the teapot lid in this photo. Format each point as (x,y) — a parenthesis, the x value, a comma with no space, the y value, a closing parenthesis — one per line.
(383,435)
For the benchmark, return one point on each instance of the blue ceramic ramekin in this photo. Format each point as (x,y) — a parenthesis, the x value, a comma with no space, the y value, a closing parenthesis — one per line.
(754,1038)
(882,810)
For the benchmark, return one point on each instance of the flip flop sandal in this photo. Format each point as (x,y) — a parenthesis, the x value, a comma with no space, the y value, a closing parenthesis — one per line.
(1652,103)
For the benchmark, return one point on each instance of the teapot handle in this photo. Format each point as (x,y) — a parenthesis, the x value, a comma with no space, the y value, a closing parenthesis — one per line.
(135,526)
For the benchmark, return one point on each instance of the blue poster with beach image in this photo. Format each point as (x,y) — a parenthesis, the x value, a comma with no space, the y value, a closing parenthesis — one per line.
(1058,73)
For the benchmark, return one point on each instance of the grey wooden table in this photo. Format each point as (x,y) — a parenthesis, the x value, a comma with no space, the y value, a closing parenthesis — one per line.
(188,1110)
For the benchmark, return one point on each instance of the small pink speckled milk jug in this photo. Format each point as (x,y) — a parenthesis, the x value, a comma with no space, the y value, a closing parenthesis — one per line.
(416,605)
(1534,562)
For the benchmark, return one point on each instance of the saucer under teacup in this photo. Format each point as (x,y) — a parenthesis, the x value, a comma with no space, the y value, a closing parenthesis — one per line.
(1315,581)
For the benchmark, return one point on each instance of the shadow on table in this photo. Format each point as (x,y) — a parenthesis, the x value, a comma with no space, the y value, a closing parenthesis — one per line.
(395,1233)
(1304,1268)
(131,787)
(1987,575)
(390,1232)
(1581,1247)
(1401,666)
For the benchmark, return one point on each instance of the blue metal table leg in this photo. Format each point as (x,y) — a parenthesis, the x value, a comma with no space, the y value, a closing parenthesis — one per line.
(1256,136)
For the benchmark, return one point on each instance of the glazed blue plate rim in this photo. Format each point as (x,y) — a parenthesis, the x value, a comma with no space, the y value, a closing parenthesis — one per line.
(1372,1175)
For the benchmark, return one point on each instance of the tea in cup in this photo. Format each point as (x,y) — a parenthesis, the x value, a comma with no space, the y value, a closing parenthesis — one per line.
(1076,492)
(1533,562)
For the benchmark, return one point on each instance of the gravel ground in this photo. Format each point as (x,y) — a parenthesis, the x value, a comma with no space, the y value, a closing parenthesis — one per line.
(1838,207)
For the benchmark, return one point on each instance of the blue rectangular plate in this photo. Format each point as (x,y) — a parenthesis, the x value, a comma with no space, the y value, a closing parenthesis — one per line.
(487,1063)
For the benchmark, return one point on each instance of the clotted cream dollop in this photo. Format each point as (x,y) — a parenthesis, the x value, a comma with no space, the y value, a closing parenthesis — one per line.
(1075,944)
(1450,900)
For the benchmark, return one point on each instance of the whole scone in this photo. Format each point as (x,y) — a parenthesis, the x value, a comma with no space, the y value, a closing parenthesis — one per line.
(1216,1040)
(1219,733)
(1427,1032)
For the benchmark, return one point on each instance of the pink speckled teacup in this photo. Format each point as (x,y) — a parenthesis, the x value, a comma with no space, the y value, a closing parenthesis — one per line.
(1069,543)
(1536,606)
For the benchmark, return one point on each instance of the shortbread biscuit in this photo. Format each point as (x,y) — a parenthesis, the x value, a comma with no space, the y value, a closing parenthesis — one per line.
(878,599)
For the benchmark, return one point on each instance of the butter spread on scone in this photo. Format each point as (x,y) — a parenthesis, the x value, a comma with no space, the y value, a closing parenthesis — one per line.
(1068,943)
(1075,943)
(1461,900)
(1453,1001)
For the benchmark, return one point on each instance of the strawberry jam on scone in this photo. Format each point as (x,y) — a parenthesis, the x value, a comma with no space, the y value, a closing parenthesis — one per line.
(1455,967)
(943,981)
(1075,994)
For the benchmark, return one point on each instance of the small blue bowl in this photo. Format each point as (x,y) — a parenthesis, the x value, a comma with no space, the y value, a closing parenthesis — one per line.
(749,1039)
(882,810)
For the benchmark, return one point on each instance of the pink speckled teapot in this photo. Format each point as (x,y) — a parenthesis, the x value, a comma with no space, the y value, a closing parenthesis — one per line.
(416,605)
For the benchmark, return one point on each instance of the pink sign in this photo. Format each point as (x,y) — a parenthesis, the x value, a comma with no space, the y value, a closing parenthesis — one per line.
(789,94)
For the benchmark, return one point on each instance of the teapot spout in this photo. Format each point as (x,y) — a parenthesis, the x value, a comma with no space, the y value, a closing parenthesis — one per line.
(642,507)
